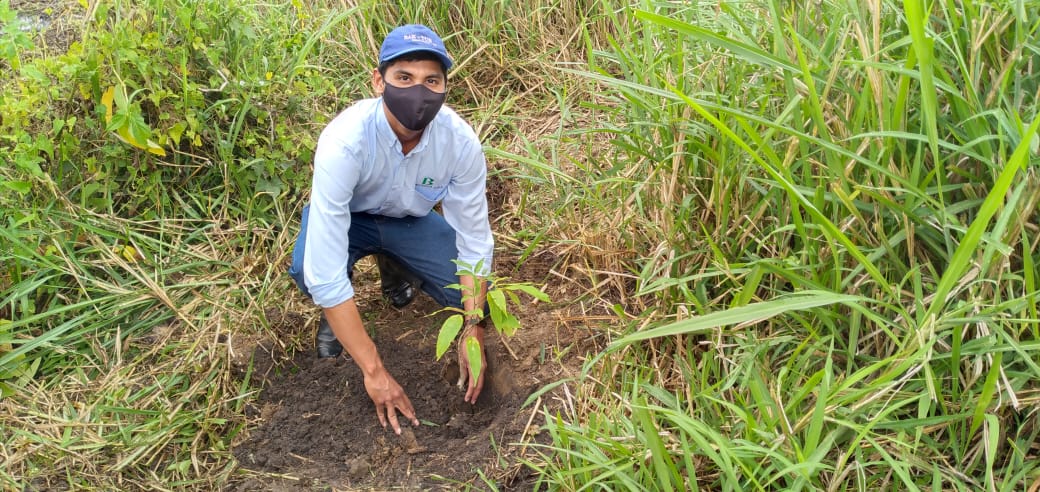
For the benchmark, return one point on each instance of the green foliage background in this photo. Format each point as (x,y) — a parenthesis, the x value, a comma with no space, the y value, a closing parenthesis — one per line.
(813,226)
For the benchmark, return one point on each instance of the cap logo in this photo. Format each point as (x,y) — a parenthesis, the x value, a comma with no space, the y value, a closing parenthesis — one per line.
(418,38)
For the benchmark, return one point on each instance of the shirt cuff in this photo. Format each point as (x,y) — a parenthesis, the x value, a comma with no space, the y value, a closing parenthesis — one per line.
(328,296)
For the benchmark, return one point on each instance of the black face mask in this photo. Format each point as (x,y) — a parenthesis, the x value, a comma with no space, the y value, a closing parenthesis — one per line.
(415,106)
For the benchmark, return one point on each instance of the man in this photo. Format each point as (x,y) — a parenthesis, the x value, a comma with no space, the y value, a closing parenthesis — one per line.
(379,169)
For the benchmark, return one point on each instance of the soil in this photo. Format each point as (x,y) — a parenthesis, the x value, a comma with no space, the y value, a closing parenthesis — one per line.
(316,429)
(51,24)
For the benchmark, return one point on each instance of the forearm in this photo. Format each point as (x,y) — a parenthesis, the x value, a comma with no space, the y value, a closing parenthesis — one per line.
(345,321)
(473,303)
(472,369)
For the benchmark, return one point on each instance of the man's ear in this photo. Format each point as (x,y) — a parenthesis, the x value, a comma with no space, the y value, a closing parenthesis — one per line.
(377,82)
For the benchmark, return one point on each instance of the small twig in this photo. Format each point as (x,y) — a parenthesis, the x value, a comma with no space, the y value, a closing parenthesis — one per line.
(510,349)
(345,394)
(570,400)
(218,89)
(534,411)
(282,475)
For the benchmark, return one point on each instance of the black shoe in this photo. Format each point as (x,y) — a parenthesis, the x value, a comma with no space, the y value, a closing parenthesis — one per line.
(400,295)
(398,284)
(325,342)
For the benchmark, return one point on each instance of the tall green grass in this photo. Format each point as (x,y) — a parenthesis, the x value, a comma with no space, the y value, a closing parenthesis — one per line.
(878,150)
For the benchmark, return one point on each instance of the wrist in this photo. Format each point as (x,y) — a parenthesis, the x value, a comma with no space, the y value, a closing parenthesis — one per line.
(371,368)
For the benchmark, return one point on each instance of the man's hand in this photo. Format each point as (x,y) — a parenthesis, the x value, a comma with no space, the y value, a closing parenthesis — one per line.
(473,390)
(389,397)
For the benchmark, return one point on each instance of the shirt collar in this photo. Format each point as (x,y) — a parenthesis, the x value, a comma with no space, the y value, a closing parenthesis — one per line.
(386,133)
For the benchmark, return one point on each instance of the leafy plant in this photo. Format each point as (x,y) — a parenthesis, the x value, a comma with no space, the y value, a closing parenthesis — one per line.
(499,291)
(13,40)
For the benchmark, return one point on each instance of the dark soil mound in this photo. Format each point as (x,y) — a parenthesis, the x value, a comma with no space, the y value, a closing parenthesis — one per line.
(317,427)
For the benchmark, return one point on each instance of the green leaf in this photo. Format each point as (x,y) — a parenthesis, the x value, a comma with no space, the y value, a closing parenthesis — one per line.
(449,330)
(504,322)
(180,466)
(968,246)
(989,387)
(496,298)
(532,291)
(176,131)
(22,187)
(497,304)
(30,162)
(119,120)
(815,429)
(7,390)
(745,51)
(744,314)
(46,145)
(992,435)
(663,466)
(139,129)
(475,360)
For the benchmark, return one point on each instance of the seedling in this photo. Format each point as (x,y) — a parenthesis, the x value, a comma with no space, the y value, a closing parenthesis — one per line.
(500,291)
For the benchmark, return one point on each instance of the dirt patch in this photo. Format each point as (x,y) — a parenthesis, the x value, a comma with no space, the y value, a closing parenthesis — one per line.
(52,24)
(315,427)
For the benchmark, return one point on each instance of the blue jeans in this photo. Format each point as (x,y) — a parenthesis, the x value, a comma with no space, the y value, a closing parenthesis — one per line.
(425,246)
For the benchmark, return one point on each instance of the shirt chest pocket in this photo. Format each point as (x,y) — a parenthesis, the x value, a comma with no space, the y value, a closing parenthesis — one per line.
(431,194)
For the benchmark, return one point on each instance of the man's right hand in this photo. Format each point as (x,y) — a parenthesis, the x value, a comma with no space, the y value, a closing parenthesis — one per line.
(389,398)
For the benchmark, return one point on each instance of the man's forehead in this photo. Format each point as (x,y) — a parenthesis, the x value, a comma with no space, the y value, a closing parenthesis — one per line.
(423,68)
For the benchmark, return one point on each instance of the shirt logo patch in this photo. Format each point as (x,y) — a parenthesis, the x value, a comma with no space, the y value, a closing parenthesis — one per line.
(427,181)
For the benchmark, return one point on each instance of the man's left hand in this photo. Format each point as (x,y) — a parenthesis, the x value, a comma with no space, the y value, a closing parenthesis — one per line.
(473,389)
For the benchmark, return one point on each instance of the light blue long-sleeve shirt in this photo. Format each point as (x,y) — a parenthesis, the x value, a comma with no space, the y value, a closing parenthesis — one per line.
(359,167)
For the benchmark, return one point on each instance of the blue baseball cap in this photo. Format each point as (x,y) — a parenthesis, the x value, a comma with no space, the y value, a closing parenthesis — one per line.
(411,38)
